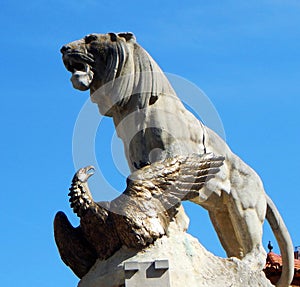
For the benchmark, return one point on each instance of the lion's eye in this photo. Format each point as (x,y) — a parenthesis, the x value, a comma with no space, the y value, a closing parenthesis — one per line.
(90,38)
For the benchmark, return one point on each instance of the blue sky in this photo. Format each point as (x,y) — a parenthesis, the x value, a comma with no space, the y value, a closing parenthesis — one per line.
(245,55)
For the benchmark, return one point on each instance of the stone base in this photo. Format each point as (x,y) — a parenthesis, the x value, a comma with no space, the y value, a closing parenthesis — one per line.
(190,264)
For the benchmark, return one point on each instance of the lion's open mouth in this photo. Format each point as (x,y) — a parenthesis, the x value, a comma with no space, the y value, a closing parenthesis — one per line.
(77,61)
(80,65)
(73,66)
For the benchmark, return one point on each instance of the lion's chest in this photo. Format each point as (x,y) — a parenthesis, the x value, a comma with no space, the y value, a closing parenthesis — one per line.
(154,134)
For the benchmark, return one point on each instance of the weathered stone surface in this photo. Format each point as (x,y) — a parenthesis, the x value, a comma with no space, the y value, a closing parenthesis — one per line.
(190,264)
(127,85)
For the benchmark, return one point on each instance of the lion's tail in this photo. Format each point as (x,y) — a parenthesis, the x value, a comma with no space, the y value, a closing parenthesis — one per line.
(284,242)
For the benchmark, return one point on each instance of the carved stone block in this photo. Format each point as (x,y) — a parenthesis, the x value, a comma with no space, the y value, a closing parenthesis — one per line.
(147,274)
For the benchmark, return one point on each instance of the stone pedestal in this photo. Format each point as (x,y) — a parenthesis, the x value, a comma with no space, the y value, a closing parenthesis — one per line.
(183,262)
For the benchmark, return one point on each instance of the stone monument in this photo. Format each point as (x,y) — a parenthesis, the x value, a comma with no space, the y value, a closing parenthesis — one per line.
(141,235)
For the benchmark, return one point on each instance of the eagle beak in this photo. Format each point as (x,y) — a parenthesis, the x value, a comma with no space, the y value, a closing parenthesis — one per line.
(89,171)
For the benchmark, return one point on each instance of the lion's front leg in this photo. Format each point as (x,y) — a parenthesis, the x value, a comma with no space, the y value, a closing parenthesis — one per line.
(224,228)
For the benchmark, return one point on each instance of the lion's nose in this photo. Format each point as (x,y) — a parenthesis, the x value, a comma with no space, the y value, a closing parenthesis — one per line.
(64,49)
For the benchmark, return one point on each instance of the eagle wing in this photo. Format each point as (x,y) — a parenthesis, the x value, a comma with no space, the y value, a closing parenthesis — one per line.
(154,193)
(174,179)
(74,249)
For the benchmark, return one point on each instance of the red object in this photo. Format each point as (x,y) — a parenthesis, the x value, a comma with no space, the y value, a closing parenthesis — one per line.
(273,269)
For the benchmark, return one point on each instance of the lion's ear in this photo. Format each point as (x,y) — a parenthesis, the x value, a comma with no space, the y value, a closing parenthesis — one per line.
(113,37)
(127,36)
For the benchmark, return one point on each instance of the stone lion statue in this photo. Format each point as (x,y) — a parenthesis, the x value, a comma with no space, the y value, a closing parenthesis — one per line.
(128,85)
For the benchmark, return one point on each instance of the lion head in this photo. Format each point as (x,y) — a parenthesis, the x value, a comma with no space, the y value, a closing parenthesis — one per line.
(116,70)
